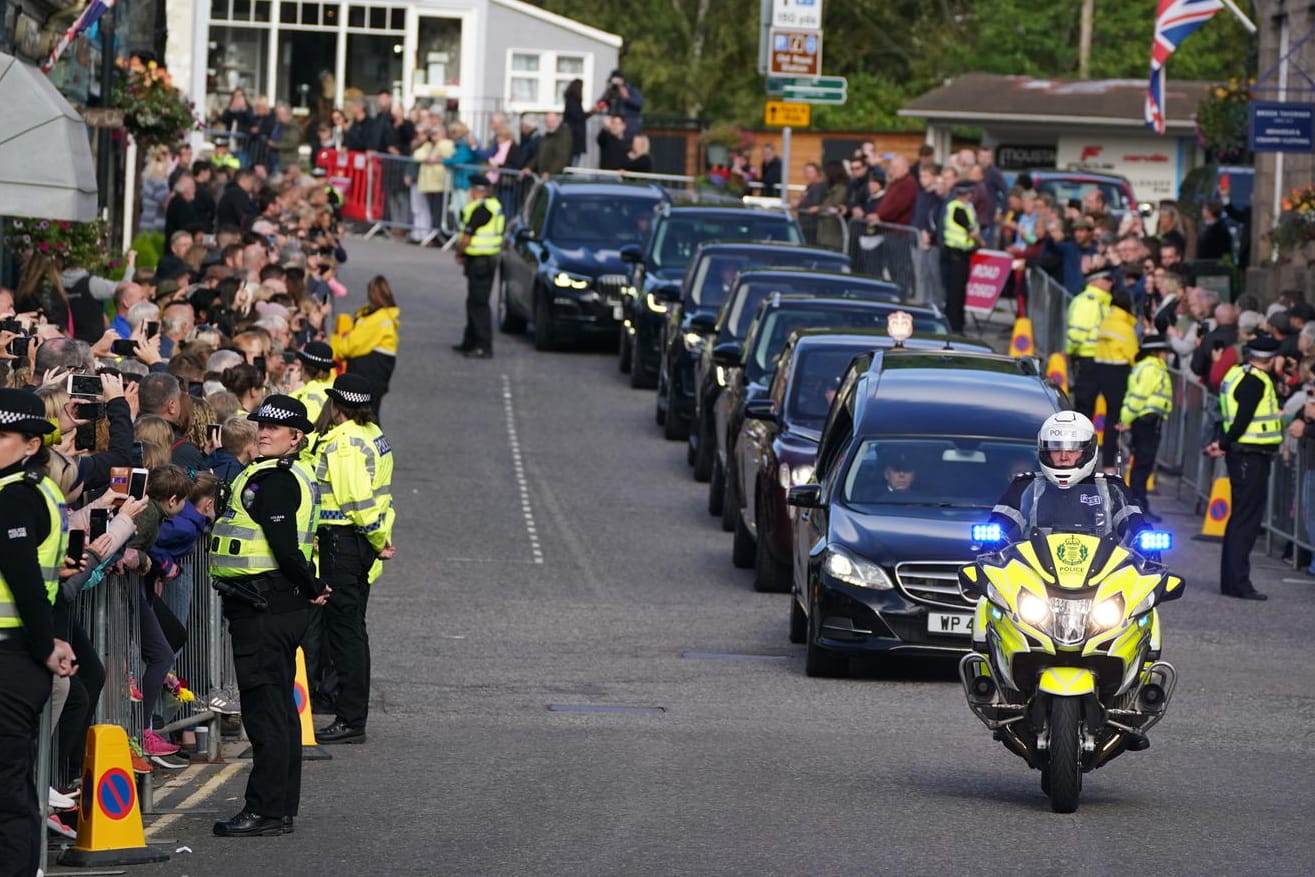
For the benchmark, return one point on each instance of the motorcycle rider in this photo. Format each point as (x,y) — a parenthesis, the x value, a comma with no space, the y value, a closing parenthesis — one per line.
(1068,492)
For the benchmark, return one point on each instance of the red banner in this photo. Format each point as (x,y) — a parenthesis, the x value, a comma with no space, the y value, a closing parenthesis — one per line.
(987,274)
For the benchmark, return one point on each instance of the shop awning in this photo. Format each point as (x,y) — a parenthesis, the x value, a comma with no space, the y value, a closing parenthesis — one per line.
(46,170)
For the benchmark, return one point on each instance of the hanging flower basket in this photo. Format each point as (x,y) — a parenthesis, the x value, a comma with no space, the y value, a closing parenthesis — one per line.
(155,112)
(1222,119)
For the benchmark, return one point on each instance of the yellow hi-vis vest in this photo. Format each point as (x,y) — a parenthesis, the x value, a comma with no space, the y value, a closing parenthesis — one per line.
(238,546)
(955,236)
(50,553)
(354,472)
(487,239)
(1266,426)
(1150,391)
(312,395)
(1085,314)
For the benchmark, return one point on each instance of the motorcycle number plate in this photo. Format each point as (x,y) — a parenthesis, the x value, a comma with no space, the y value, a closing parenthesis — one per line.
(616,312)
(952,623)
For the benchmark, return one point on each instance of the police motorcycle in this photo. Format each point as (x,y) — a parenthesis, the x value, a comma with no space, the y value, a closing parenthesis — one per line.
(1065,667)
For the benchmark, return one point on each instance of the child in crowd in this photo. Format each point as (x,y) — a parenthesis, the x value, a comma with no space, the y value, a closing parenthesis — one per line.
(237,448)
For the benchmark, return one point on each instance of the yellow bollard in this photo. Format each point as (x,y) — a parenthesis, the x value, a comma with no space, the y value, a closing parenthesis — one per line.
(109,815)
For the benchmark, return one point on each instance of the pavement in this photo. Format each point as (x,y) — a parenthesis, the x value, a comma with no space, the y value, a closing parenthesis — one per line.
(570,678)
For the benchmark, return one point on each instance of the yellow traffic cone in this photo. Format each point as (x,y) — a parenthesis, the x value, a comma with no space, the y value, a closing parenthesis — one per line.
(1057,371)
(1021,344)
(1217,510)
(310,750)
(109,816)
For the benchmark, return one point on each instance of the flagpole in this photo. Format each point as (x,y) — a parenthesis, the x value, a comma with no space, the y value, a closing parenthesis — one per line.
(1246,22)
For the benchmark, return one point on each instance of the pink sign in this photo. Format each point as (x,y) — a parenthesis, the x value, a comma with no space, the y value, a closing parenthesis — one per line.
(987,274)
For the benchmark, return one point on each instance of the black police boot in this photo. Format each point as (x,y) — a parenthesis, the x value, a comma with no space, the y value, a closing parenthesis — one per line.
(248,824)
(288,827)
(340,732)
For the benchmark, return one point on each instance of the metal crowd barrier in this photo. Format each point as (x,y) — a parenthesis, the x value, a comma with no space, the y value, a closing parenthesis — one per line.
(1047,307)
(889,252)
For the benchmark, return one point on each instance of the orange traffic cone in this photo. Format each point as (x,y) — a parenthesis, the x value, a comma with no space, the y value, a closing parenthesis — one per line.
(1021,344)
(310,750)
(1057,371)
(109,816)
(1217,511)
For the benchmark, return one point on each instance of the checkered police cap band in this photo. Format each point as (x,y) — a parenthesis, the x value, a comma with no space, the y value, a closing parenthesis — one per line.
(269,412)
(353,398)
(316,360)
(10,417)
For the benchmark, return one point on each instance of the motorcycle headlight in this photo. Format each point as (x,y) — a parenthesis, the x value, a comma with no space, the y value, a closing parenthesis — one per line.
(851,570)
(655,304)
(1106,613)
(720,373)
(566,281)
(800,474)
(1068,624)
(1033,609)
(694,342)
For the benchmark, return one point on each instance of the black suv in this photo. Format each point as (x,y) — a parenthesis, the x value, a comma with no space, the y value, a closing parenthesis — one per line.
(657,268)
(691,319)
(561,266)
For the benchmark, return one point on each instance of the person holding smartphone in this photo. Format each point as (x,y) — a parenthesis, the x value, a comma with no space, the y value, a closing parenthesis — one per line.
(30,654)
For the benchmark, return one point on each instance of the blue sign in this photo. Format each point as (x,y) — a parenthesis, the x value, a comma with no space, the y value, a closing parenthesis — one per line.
(1281,127)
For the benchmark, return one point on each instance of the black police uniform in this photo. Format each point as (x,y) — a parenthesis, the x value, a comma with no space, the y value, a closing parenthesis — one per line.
(1248,479)
(477,339)
(1060,506)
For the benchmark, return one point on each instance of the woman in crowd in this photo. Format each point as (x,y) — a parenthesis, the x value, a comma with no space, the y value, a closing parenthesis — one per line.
(576,118)
(155,190)
(432,175)
(247,383)
(370,345)
(461,164)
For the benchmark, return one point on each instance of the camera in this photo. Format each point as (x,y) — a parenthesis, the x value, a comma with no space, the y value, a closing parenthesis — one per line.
(90,410)
(19,346)
(84,385)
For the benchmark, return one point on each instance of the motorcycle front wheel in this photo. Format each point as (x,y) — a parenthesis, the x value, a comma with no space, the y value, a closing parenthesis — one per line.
(1062,779)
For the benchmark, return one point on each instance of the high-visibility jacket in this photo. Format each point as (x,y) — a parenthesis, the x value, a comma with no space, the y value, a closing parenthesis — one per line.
(375,332)
(312,395)
(50,553)
(1116,338)
(487,239)
(1085,314)
(225,160)
(238,546)
(954,235)
(1266,426)
(354,472)
(1150,391)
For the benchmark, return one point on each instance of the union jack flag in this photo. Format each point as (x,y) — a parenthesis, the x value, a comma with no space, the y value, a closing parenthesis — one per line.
(1175,22)
(95,9)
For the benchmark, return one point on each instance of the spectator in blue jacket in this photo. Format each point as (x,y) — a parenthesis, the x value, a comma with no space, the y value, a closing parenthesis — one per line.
(237,448)
(1071,253)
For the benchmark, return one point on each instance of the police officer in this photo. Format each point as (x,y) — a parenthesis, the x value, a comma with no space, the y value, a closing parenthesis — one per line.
(316,360)
(1252,433)
(260,558)
(31,517)
(961,235)
(1145,406)
(354,471)
(478,247)
(1085,314)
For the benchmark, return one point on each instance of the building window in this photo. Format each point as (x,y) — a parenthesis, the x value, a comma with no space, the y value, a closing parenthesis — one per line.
(536,80)
(374,62)
(438,55)
(238,58)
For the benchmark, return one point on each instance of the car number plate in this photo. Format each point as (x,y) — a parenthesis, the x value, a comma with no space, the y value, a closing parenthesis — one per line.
(616,311)
(952,623)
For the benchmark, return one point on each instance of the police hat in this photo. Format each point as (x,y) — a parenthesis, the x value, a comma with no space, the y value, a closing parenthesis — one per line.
(281,410)
(352,390)
(1152,343)
(964,186)
(1101,274)
(24,412)
(479,180)
(1261,347)
(316,353)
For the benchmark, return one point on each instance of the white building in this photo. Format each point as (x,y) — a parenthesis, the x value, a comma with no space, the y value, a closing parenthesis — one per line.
(467,56)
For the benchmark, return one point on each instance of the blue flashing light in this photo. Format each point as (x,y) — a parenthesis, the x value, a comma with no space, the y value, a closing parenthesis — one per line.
(1154,540)
(988,534)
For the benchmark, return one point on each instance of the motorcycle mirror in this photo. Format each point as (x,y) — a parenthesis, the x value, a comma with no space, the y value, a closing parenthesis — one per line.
(1173,589)
(970,584)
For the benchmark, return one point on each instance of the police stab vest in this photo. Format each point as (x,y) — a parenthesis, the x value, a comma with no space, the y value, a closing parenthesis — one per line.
(367,494)
(238,546)
(955,236)
(1266,426)
(487,239)
(50,553)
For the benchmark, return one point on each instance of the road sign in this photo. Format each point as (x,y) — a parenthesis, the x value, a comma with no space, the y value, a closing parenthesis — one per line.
(778,84)
(810,95)
(795,53)
(785,115)
(802,14)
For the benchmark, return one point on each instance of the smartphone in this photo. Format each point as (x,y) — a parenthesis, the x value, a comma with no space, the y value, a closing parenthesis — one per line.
(137,455)
(77,544)
(84,385)
(100,522)
(124,347)
(152,328)
(259,363)
(19,346)
(90,410)
(84,438)
(137,483)
(214,432)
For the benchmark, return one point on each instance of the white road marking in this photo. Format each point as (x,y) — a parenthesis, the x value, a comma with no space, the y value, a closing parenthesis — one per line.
(518,466)
(208,788)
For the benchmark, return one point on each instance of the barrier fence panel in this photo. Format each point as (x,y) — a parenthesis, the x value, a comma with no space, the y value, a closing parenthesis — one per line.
(888,252)
(1047,307)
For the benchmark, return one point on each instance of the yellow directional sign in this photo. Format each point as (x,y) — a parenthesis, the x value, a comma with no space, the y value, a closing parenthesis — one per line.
(783,114)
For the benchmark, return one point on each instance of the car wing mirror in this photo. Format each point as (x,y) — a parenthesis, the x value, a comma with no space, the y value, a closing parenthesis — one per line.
(807,496)
(760,409)
(727,354)
(523,234)
(704,324)
(632,253)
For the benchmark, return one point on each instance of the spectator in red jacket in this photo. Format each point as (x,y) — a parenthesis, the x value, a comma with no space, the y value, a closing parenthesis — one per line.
(896,206)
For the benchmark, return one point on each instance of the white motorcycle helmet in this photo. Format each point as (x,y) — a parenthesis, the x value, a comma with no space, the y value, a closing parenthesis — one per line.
(1067,431)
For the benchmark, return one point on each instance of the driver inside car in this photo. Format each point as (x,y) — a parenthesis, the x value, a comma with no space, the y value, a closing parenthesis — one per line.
(1068,493)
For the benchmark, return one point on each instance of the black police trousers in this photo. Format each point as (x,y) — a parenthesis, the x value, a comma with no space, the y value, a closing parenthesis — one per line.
(265,658)
(24,690)
(479,316)
(956,266)
(1248,477)
(345,560)
(1145,432)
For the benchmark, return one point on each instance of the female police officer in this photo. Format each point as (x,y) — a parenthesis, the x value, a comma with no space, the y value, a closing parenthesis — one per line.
(260,559)
(354,472)
(32,519)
